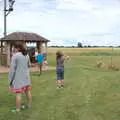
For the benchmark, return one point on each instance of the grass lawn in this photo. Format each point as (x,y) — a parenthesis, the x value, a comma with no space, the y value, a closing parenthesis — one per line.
(90,93)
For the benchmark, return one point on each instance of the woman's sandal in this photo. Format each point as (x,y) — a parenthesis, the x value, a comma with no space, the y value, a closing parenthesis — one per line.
(25,106)
(29,106)
(22,108)
(15,110)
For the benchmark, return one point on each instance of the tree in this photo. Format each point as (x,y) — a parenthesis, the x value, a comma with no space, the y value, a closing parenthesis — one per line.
(79,44)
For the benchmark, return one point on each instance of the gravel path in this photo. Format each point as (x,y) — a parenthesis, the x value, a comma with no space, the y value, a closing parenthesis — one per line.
(32,69)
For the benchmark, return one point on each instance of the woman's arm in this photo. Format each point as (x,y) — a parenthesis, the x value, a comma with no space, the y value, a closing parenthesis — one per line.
(29,63)
(12,70)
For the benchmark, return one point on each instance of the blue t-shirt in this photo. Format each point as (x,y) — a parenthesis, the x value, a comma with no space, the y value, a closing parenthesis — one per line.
(39,58)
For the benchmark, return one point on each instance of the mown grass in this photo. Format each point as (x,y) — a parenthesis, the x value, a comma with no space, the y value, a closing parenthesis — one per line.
(89,56)
(90,93)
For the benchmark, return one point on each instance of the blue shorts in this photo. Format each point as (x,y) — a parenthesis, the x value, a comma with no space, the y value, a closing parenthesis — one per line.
(60,73)
(60,76)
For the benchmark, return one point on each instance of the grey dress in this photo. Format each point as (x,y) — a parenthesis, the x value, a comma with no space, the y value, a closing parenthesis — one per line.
(19,71)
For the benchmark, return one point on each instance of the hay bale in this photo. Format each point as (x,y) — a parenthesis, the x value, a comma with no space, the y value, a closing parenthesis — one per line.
(113,67)
(100,64)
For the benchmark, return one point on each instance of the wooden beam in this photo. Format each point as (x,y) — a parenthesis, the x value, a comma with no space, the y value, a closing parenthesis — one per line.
(8,53)
(2,47)
(38,46)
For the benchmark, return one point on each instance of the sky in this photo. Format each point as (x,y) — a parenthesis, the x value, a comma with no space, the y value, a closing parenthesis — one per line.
(67,22)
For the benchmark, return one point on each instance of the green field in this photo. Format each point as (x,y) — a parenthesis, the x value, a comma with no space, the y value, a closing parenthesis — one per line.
(90,93)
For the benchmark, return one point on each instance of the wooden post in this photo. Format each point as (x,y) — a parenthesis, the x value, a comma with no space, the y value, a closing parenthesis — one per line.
(46,49)
(8,54)
(39,46)
(10,51)
(112,57)
(1,47)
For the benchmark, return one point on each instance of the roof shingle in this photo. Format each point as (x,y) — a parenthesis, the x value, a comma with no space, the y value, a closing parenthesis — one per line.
(24,36)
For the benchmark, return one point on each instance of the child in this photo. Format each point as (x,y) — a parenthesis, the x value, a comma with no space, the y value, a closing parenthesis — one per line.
(19,76)
(45,63)
(40,58)
(60,69)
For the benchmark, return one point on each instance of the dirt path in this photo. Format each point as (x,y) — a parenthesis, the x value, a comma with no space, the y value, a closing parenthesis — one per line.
(32,69)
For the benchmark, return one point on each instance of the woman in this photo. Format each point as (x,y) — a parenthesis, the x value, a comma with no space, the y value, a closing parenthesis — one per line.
(19,76)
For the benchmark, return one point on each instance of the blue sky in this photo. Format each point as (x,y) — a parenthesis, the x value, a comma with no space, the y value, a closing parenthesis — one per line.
(66,22)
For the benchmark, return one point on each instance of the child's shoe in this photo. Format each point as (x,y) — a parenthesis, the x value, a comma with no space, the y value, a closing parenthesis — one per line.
(29,106)
(62,86)
(15,110)
(58,87)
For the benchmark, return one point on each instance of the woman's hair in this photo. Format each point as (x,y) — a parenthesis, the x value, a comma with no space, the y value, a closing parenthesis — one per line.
(59,54)
(21,48)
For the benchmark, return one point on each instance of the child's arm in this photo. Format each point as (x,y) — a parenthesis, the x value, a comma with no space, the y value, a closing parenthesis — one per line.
(66,58)
(29,63)
(12,69)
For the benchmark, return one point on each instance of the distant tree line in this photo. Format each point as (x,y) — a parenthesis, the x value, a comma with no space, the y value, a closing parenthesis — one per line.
(80,45)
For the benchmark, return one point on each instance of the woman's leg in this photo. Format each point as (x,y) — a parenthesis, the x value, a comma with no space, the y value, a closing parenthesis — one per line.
(40,66)
(18,100)
(29,97)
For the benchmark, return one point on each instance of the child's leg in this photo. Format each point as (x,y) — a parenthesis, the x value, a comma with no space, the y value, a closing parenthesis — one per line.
(62,79)
(62,83)
(58,82)
(29,97)
(45,65)
(40,68)
(18,100)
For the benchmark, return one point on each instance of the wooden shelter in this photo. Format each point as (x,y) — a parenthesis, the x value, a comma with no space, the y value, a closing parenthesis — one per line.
(22,37)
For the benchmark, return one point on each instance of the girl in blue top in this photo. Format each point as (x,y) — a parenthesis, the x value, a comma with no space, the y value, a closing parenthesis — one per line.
(40,58)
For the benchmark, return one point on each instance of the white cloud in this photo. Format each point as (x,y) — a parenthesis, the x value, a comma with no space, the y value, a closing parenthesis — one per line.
(67,21)
(75,5)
